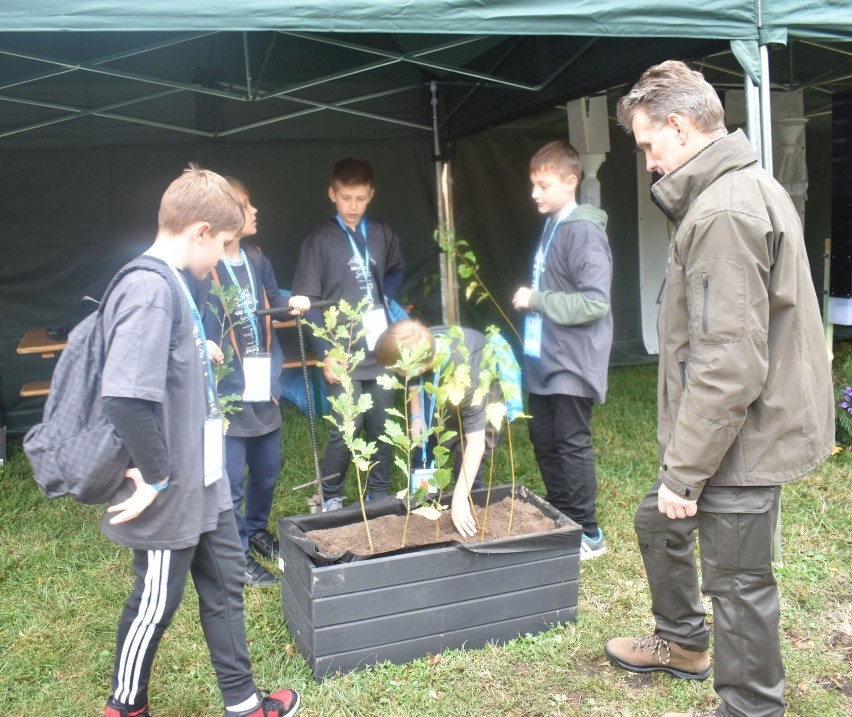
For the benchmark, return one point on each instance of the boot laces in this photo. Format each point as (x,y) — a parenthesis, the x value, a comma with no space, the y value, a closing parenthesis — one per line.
(655,646)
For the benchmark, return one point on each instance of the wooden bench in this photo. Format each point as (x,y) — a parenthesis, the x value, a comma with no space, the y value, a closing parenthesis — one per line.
(35,388)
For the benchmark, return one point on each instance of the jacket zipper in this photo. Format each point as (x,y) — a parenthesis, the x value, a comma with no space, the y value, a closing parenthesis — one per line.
(704,318)
(682,365)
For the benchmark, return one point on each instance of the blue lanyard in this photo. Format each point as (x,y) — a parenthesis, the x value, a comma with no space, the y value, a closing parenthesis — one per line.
(425,435)
(541,252)
(364,261)
(248,308)
(201,338)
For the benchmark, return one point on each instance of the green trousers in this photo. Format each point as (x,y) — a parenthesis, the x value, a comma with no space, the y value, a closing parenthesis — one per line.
(735,528)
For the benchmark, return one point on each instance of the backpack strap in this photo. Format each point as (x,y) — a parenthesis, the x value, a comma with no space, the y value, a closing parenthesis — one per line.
(140,263)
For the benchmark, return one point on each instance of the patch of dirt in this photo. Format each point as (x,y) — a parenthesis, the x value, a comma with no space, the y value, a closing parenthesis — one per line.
(387,530)
(840,640)
(835,682)
(637,680)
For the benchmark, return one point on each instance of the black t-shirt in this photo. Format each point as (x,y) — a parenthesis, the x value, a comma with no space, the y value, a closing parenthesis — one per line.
(473,415)
(329,269)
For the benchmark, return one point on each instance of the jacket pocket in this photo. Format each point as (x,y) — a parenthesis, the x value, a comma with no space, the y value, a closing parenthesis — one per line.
(718,301)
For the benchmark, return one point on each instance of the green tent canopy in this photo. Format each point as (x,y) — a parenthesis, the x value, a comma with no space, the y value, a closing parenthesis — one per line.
(103,101)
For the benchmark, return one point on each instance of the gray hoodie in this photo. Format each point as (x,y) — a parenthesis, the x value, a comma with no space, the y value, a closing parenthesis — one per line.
(574,301)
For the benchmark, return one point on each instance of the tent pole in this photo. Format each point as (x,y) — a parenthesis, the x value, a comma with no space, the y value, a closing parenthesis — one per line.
(752,100)
(765,111)
(765,156)
(248,66)
(446,238)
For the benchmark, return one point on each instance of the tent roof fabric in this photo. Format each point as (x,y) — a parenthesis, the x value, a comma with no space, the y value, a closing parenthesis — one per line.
(717,19)
(805,19)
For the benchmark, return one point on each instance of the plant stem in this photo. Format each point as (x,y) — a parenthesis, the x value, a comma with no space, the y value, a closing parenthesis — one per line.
(490,296)
(363,509)
(512,466)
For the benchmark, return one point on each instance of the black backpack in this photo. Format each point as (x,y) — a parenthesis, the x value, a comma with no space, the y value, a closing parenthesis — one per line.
(74,450)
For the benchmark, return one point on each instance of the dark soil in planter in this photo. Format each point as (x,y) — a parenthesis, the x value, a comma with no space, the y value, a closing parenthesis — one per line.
(386,530)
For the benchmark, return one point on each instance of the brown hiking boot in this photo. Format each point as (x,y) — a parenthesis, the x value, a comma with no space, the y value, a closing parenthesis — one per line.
(653,654)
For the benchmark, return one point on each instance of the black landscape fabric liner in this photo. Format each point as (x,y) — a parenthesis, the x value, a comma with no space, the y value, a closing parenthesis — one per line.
(563,536)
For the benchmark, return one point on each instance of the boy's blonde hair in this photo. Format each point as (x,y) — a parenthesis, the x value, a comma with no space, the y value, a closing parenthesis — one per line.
(406,334)
(672,88)
(559,158)
(199,195)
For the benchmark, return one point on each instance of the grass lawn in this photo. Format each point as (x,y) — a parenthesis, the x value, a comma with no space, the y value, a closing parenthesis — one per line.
(62,586)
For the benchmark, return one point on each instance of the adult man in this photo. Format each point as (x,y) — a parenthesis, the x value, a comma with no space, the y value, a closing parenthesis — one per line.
(744,398)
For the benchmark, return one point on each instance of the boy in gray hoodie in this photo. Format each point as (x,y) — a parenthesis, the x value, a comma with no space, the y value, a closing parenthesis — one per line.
(567,337)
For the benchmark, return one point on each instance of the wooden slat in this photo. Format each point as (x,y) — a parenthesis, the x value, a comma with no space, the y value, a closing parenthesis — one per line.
(444,619)
(35,388)
(471,638)
(447,591)
(35,341)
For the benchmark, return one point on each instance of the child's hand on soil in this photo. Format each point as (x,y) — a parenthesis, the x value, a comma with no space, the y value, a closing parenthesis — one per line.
(461,515)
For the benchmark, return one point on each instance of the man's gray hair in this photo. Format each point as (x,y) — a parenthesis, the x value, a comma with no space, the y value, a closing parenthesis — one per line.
(672,88)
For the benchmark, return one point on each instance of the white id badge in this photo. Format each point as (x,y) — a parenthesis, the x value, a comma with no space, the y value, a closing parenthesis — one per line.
(424,478)
(532,335)
(214,448)
(256,370)
(375,323)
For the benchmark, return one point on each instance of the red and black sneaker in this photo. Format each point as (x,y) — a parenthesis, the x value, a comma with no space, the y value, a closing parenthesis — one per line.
(116,709)
(282,703)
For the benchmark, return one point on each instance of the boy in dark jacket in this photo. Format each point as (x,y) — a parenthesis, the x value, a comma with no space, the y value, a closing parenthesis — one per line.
(567,337)
(348,257)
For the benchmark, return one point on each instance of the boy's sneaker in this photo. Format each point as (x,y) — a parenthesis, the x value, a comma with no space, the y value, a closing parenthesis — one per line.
(711,713)
(330,504)
(116,709)
(592,547)
(257,575)
(282,703)
(654,654)
(264,543)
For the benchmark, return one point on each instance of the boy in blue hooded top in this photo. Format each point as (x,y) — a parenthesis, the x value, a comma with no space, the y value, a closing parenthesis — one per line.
(567,337)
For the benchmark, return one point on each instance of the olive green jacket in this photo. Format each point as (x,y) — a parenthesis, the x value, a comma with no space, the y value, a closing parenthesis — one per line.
(745,394)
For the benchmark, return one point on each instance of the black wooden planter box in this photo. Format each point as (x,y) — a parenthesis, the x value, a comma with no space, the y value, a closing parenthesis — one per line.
(403,605)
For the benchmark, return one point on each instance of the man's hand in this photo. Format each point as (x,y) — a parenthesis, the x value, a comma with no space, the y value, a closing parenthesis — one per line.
(133,507)
(214,352)
(299,305)
(328,364)
(674,505)
(461,515)
(521,299)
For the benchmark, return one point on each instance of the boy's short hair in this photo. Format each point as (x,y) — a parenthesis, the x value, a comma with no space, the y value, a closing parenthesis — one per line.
(199,195)
(673,88)
(350,172)
(236,184)
(409,334)
(557,157)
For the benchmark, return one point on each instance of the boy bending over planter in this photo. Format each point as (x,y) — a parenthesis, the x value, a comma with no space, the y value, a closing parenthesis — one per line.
(443,350)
